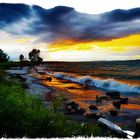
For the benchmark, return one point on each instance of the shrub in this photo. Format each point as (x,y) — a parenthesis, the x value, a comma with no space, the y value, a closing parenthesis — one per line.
(3,56)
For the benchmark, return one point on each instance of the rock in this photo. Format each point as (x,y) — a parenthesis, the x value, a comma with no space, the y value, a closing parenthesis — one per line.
(41,72)
(117,104)
(72,104)
(98,115)
(137,133)
(86,83)
(113,94)
(80,110)
(72,107)
(114,112)
(90,115)
(124,100)
(121,101)
(95,115)
(138,124)
(48,79)
(93,107)
(104,98)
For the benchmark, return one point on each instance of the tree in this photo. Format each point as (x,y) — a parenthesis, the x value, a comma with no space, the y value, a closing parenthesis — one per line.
(34,56)
(21,57)
(3,56)
(22,62)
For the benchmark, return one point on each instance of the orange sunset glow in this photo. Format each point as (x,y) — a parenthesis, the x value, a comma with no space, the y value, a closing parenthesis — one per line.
(102,48)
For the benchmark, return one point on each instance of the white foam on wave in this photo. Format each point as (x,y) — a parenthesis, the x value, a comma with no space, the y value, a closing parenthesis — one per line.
(108,84)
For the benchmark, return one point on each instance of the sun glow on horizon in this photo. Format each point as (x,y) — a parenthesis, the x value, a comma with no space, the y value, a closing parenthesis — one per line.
(116,49)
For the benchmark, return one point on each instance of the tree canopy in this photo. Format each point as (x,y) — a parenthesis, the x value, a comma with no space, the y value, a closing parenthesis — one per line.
(3,56)
(21,57)
(34,56)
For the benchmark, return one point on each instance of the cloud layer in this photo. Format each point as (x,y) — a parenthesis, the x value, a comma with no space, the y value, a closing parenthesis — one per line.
(64,23)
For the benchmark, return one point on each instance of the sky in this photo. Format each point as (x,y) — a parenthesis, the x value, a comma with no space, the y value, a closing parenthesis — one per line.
(71,30)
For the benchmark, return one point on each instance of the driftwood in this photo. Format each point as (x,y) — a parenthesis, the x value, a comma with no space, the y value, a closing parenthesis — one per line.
(115,128)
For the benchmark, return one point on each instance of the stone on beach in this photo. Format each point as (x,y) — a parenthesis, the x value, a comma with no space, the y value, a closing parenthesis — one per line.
(138,124)
(114,112)
(48,79)
(123,100)
(117,104)
(93,107)
(113,94)
(72,107)
(137,133)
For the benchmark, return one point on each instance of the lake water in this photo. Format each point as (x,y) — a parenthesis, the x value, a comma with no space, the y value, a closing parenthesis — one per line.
(123,76)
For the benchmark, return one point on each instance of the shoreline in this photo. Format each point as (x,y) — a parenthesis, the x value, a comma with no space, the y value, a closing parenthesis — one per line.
(69,93)
(127,113)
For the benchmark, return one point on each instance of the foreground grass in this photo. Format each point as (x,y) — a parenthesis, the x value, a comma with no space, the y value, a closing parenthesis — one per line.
(24,115)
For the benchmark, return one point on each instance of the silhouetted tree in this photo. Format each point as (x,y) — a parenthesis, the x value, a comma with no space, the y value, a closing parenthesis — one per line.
(3,56)
(34,56)
(21,57)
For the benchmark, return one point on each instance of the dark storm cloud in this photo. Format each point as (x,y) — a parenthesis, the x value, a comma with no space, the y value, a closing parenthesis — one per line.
(61,23)
(10,13)
(123,15)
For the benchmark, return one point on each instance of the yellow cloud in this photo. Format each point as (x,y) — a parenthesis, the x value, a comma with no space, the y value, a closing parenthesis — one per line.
(116,45)
(23,40)
(121,44)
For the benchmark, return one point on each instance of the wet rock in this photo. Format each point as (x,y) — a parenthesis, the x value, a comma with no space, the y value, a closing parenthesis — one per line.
(117,104)
(93,107)
(113,94)
(72,107)
(123,100)
(48,79)
(114,112)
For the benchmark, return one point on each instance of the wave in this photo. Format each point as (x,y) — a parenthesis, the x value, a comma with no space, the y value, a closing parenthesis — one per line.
(108,84)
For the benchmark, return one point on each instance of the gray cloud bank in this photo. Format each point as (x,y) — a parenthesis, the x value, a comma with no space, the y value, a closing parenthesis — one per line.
(60,23)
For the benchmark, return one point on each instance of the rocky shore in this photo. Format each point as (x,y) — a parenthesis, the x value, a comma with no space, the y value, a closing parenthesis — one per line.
(103,106)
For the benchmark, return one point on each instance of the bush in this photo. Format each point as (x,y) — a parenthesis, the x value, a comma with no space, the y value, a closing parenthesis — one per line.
(3,56)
